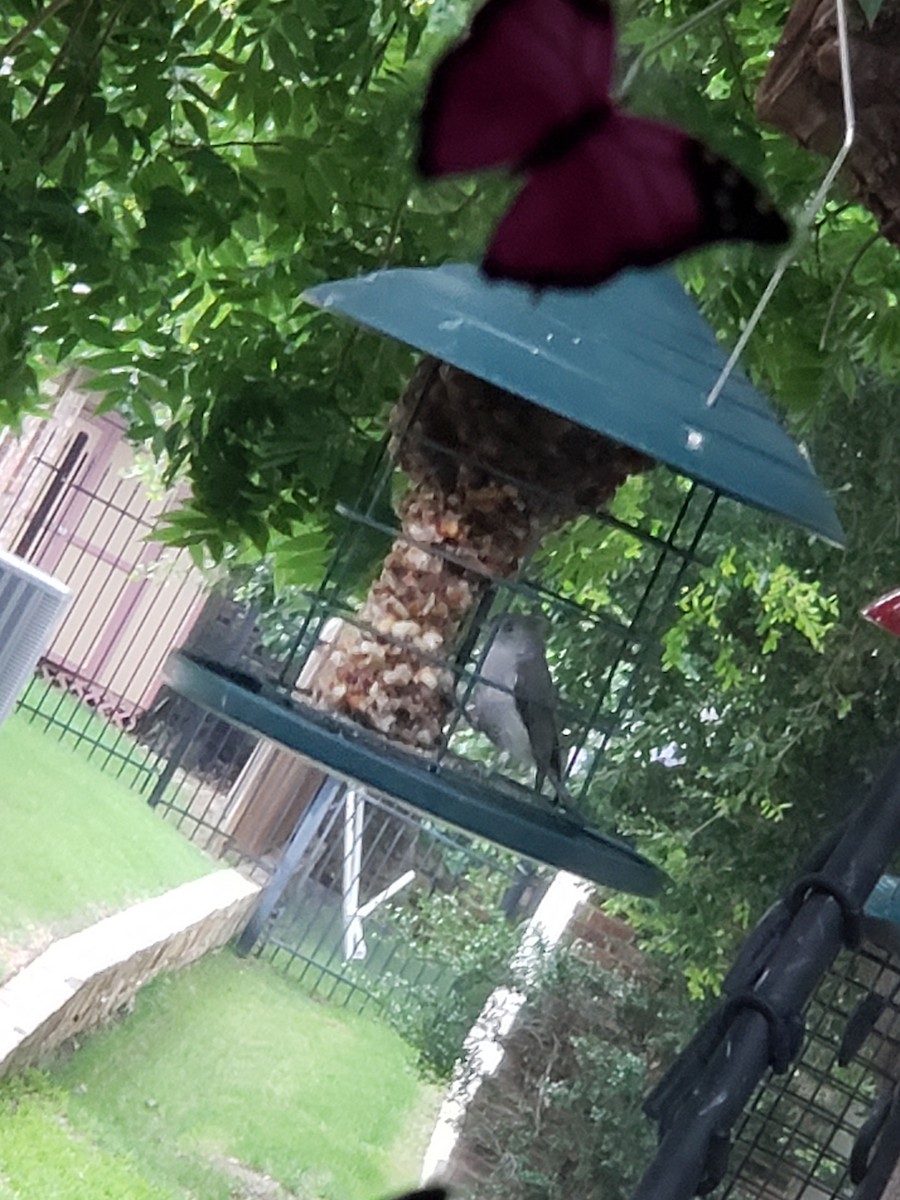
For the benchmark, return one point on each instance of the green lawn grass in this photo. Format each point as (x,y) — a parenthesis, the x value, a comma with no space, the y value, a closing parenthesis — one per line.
(229,1060)
(41,1156)
(73,723)
(226,1073)
(77,843)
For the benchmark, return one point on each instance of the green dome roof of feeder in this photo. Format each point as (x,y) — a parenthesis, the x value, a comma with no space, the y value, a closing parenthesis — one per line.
(632,359)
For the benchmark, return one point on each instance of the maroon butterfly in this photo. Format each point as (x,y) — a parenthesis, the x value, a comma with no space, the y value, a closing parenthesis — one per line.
(529,89)
(885,611)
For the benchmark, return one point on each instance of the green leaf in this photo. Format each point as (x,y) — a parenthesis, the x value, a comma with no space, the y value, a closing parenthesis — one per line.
(283,57)
(195,119)
(115,382)
(199,93)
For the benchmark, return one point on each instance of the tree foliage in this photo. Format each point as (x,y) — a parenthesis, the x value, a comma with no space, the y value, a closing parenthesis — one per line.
(778,702)
(562,1116)
(462,947)
(834,318)
(174,175)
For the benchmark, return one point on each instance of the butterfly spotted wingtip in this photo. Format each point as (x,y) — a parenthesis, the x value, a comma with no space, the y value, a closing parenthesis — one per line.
(732,206)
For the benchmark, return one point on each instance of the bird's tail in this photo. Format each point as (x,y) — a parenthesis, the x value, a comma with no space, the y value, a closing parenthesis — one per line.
(561,794)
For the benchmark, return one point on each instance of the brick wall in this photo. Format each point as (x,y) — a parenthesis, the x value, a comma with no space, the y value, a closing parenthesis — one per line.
(593,935)
(607,941)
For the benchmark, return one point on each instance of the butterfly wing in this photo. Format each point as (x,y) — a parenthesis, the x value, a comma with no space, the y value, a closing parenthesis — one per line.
(632,193)
(885,611)
(526,70)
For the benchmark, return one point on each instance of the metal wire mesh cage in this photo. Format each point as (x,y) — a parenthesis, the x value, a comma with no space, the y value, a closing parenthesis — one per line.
(519,488)
(382,659)
(797,1136)
(399,648)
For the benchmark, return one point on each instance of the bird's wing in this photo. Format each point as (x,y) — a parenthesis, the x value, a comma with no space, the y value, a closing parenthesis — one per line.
(495,713)
(536,701)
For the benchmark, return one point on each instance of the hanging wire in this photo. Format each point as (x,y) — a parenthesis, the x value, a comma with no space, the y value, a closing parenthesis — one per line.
(809,213)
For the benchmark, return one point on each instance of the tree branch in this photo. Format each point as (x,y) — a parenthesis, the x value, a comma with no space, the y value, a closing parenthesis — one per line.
(673,35)
(845,279)
(60,55)
(394,231)
(179,145)
(33,25)
(381,49)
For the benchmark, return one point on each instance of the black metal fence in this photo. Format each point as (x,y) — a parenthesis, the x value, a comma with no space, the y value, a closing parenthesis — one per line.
(343,928)
(75,723)
(340,929)
(70,506)
(204,776)
(380,909)
(355,924)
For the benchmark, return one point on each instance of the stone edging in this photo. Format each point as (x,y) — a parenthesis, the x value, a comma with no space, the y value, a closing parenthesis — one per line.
(82,980)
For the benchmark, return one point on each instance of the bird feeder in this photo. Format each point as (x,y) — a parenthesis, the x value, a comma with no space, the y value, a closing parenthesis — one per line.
(526,414)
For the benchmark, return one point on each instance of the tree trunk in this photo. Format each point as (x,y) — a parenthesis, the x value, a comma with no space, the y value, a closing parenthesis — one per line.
(801,95)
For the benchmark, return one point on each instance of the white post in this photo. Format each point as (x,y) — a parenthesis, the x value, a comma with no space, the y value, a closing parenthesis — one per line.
(483,1047)
(354,813)
(392,889)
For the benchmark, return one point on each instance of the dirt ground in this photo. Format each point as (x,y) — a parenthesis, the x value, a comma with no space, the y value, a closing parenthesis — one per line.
(250,1184)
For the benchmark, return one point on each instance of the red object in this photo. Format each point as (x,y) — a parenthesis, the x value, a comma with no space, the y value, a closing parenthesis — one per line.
(528,89)
(885,611)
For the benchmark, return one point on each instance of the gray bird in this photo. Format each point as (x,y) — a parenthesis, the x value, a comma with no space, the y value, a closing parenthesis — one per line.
(519,715)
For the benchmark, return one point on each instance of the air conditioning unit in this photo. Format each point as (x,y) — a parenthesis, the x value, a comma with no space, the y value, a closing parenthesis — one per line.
(31,606)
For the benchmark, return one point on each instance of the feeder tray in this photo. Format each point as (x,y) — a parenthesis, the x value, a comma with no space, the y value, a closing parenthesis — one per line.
(632,360)
(549,835)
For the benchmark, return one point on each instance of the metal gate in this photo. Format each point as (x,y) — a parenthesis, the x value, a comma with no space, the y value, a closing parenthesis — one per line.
(382,903)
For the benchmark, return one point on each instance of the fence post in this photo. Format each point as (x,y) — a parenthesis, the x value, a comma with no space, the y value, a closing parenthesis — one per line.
(329,790)
(174,760)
